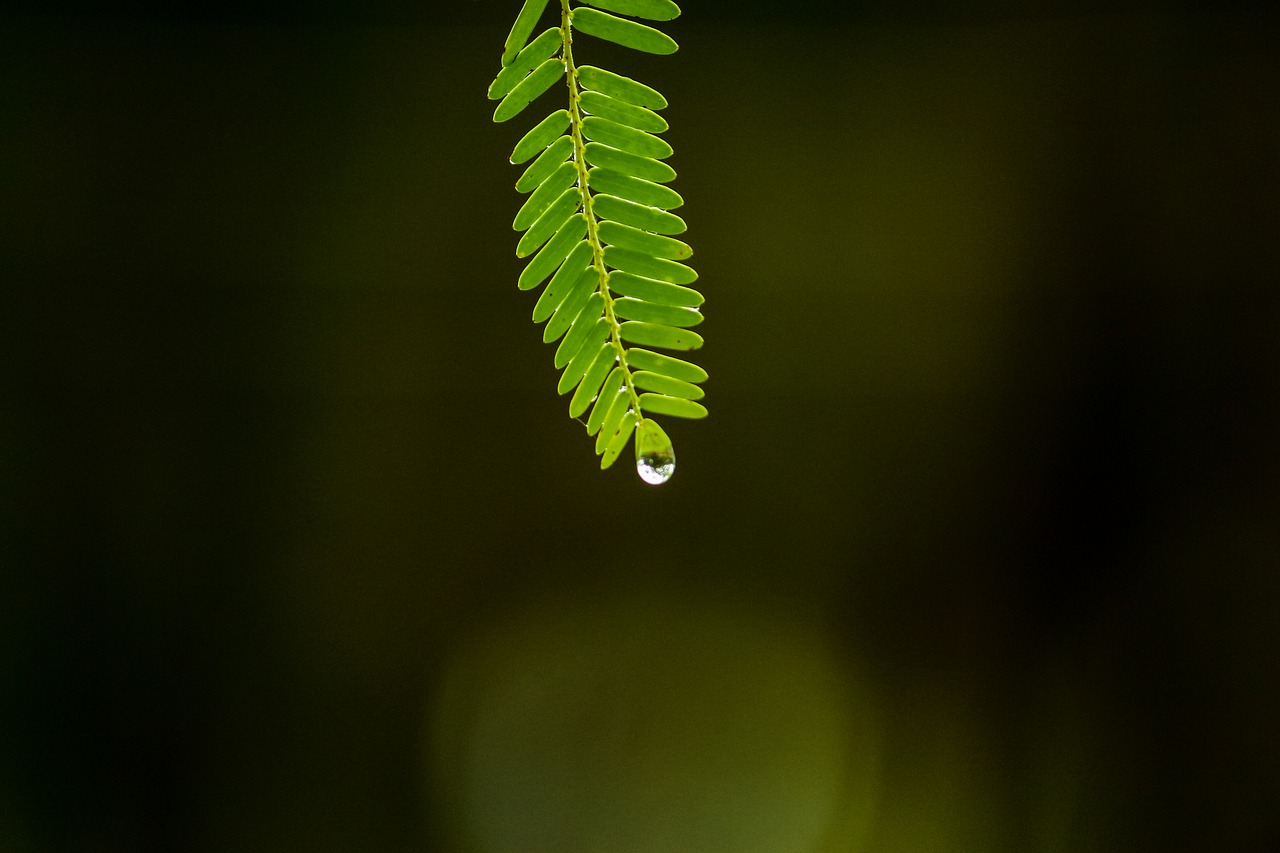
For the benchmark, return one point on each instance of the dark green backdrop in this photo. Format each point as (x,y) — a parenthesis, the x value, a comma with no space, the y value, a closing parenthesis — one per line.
(976,552)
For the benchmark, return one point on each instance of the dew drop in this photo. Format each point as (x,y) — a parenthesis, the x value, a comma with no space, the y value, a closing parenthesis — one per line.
(656,468)
(655,457)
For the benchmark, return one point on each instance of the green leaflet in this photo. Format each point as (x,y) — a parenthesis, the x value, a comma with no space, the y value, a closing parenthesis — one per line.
(530,12)
(666,385)
(653,335)
(617,86)
(633,189)
(638,215)
(652,312)
(619,440)
(624,138)
(533,55)
(550,255)
(643,241)
(639,263)
(598,226)
(621,31)
(540,136)
(609,157)
(652,290)
(553,156)
(622,112)
(654,10)
(526,90)
(548,191)
(562,282)
(674,406)
(667,365)
(584,322)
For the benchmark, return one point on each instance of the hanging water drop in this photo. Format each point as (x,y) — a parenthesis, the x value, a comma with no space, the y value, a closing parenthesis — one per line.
(655,457)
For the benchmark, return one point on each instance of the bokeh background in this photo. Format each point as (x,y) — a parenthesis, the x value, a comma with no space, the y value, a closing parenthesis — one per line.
(977,551)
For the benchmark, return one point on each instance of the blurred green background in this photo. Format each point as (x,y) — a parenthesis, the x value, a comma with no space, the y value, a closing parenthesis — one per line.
(977,551)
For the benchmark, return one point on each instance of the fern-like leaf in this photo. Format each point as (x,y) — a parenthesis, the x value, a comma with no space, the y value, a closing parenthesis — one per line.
(598,224)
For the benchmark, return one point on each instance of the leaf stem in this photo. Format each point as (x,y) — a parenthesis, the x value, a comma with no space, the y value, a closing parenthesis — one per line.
(593,234)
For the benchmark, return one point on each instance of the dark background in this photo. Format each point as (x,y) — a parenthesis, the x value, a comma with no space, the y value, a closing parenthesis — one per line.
(977,550)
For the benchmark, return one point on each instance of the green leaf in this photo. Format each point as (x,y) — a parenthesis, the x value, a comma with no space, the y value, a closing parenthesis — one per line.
(617,86)
(627,237)
(596,343)
(654,10)
(643,359)
(624,138)
(546,163)
(592,380)
(577,296)
(649,267)
(620,111)
(651,312)
(637,215)
(666,385)
(548,191)
(606,399)
(674,406)
(652,290)
(580,328)
(529,88)
(618,441)
(621,31)
(552,254)
(562,282)
(540,136)
(653,335)
(530,12)
(618,407)
(534,54)
(633,189)
(549,221)
(598,154)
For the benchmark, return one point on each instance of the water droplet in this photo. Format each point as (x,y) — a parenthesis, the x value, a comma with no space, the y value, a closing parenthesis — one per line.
(655,457)
(656,468)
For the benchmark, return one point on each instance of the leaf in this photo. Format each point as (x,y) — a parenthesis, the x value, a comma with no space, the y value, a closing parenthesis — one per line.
(652,312)
(653,335)
(644,241)
(619,440)
(649,267)
(548,191)
(533,55)
(553,156)
(597,342)
(620,111)
(540,136)
(633,189)
(666,365)
(654,10)
(615,386)
(551,255)
(562,282)
(624,138)
(652,290)
(530,12)
(621,31)
(638,215)
(591,381)
(666,385)
(577,297)
(674,406)
(549,222)
(583,324)
(618,407)
(539,81)
(617,86)
(599,154)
